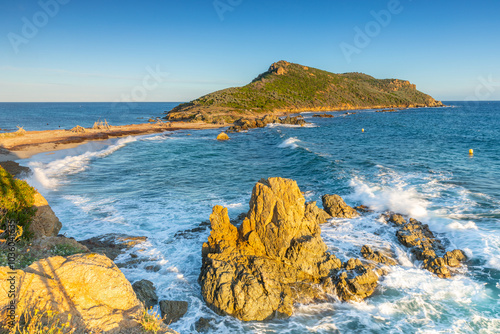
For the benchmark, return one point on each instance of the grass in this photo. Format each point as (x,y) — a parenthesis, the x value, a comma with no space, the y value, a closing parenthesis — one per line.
(36,321)
(65,250)
(16,202)
(151,321)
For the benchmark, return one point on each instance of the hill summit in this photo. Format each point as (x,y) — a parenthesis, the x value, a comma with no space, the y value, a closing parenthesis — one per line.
(289,88)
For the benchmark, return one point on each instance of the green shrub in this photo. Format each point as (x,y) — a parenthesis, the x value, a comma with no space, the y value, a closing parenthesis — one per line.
(16,202)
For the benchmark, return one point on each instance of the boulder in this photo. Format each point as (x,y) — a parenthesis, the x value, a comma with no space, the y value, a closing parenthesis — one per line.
(335,206)
(87,287)
(222,136)
(274,259)
(45,222)
(203,325)
(172,310)
(146,292)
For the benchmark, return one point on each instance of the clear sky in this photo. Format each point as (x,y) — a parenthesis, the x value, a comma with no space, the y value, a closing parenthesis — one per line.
(178,50)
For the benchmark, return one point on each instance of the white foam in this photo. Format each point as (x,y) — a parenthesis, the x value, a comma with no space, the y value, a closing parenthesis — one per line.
(290,142)
(307,125)
(51,175)
(234,205)
(402,199)
(470,225)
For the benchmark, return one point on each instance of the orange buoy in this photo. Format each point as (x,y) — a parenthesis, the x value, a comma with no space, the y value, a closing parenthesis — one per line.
(362,130)
(471,152)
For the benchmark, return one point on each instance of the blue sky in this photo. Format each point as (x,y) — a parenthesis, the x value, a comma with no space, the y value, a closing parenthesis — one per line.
(178,50)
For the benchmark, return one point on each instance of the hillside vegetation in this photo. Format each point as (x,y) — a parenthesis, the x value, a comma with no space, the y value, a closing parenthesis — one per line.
(288,87)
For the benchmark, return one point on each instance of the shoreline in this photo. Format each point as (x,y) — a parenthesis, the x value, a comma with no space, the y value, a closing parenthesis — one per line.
(23,146)
(30,143)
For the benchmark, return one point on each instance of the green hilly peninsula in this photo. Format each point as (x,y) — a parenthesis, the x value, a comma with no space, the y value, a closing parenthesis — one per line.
(290,88)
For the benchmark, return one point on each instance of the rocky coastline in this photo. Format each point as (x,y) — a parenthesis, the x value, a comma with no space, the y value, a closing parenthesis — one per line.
(276,257)
(74,286)
(254,269)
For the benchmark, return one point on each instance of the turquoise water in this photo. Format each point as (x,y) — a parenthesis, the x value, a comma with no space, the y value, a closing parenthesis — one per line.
(414,162)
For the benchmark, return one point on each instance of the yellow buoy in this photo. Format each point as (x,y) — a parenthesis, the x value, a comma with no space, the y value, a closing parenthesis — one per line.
(362,130)
(471,151)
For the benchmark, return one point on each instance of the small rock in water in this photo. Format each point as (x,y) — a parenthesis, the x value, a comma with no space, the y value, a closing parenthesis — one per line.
(222,136)
(146,292)
(172,310)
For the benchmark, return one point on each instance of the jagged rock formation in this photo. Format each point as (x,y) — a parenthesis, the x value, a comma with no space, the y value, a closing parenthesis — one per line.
(89,287)
(335,206)
(276,258)
(426,247)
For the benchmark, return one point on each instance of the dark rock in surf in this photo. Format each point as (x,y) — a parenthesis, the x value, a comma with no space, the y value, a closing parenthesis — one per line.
(146,292)
(172,310)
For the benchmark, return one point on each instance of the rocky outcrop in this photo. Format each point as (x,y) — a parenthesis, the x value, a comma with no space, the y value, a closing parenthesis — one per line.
(14,168)
(279,67)
(112,244)
(274,259)
(146,292)
(45,222)
(244,124)
(324,115)
(172,310)
(426,247)
(335,206)
(87,287)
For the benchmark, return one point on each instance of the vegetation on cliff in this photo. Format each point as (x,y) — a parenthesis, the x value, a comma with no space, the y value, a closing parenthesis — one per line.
(288,87)
(16,202)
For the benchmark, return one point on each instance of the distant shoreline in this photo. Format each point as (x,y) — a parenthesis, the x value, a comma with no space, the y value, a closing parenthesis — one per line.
(25,145)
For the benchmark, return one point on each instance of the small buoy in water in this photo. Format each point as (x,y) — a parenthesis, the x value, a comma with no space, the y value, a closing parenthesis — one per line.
(471,151)
(362,130)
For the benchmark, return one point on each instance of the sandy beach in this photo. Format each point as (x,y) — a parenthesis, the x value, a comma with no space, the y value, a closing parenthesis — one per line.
(23,146)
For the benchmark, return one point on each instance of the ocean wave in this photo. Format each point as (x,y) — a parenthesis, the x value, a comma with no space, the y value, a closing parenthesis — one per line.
(276,125)
(399,198)
(50,175)
(290,142)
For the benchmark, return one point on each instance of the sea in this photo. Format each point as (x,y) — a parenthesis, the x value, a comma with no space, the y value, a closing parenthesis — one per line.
(415,162)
